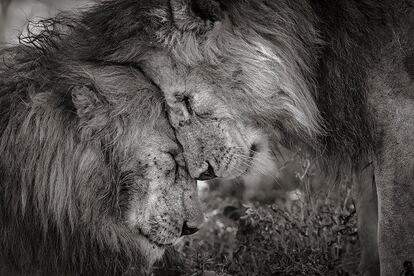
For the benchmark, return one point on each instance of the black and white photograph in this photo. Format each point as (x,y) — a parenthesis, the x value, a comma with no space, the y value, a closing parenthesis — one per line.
(206,137)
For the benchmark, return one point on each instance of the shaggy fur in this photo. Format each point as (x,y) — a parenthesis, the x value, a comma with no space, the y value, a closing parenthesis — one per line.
(88,180)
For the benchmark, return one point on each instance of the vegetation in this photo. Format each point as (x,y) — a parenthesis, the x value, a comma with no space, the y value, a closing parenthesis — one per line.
(313,235)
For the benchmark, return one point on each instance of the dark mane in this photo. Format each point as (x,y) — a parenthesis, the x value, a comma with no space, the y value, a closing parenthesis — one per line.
(334,62)
(353,33)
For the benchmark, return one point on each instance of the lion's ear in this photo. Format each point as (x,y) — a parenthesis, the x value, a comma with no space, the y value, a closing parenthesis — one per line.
(84,100)
(91,107)
(208,9)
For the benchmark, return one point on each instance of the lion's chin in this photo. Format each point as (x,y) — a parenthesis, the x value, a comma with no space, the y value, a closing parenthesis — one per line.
(152,251)
(159,242)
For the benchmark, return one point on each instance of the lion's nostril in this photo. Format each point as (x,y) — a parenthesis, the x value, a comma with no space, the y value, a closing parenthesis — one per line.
(254,148)
(188,230)
(207,174)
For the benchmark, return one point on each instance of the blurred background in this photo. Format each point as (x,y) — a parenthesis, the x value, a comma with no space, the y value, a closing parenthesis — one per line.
(15,14)
(293,222)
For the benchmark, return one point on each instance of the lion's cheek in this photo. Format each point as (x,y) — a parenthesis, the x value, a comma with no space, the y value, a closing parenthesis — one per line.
(151,214)
(226,149)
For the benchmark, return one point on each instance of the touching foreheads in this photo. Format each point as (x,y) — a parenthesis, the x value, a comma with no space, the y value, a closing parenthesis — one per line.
(267,49)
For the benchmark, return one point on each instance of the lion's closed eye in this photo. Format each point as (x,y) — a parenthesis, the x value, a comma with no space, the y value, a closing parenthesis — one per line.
(194,108)
(188,104)
(205,114)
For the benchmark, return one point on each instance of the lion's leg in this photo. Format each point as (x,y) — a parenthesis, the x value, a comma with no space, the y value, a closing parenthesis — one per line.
(367,210)
(396,218)
(394,177)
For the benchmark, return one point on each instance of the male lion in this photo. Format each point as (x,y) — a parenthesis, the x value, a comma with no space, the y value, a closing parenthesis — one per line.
(240,77)
(91,178)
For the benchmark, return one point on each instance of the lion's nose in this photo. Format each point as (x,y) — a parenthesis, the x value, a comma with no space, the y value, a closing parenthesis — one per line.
(187,230)
(208,174)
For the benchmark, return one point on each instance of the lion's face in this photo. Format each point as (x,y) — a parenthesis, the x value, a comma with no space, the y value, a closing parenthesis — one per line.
(153,195)
(164,203)
(213,125)
(233,91)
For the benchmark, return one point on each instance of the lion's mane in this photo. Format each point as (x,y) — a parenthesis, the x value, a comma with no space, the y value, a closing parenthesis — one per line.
(45,148)
(346,58)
